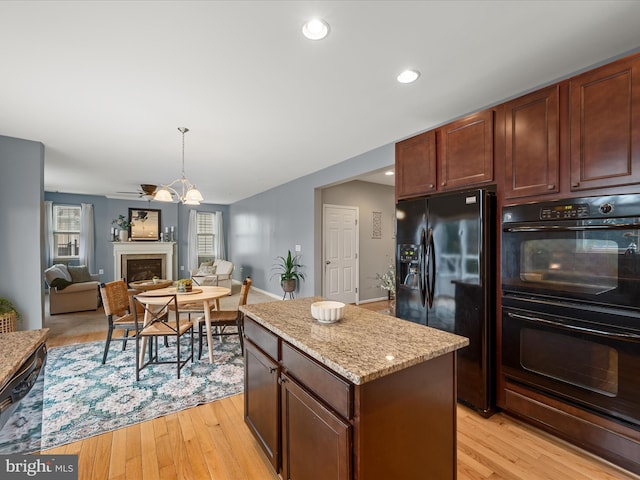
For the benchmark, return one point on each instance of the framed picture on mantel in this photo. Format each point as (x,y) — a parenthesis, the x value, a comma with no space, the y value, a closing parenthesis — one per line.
(145,224)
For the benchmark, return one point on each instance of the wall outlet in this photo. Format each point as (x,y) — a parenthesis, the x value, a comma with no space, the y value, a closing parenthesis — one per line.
(101,271)
(181,267)
(298,248)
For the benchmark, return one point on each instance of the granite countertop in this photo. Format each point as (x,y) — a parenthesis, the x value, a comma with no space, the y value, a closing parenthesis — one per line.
(362,346)
(15,348)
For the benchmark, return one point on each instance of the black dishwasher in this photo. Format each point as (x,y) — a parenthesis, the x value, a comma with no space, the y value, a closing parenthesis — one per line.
(21,383)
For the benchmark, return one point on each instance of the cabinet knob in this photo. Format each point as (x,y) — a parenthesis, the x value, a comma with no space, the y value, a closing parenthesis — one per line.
(551,187)
(431,185)
(443,184)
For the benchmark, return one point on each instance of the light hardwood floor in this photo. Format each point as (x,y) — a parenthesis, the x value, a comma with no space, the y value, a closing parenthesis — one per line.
(211,441)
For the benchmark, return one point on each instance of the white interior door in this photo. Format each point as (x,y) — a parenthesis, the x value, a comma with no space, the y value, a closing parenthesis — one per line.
(340,253)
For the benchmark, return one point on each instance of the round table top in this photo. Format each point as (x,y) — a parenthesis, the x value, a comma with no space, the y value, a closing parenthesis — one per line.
(145,285)
(199,294)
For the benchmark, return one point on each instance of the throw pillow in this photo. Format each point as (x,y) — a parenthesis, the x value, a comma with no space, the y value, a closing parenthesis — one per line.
(79,273)
(57,271)
(60,283)
(205,270)
(206,264)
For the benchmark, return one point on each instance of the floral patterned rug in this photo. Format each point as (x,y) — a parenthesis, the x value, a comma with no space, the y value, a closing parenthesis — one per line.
(82,398)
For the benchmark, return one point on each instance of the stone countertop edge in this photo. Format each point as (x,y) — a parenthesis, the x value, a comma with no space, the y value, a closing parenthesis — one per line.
(362,346)
(15,348)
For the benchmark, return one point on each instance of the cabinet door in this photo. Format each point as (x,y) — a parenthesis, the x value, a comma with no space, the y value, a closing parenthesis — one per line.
(261,400)
(465,151)
(605,126)
(416,165)
(315,442)
(531,137)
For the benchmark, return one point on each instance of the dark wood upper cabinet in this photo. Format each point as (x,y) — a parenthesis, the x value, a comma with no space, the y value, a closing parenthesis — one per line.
(532,157)
(605,126)
(465,151)
(416,165)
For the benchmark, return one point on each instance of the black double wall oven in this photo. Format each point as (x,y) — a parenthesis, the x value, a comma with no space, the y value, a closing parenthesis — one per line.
(571,302)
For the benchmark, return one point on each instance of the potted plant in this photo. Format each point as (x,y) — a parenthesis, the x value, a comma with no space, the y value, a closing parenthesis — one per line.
(8,316)
(287,269)
(184,285)
(388,283)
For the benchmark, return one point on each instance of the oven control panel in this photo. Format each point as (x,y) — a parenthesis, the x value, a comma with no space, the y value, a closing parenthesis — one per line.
(557,212)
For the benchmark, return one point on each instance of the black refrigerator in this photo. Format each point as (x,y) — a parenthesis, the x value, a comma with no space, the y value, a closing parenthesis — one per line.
(445,264)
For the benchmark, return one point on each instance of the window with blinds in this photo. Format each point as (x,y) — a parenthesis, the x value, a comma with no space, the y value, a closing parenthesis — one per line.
(205,234)
(66,231)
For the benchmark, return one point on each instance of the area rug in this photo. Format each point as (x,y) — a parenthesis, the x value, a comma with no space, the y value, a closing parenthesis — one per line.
(83,398)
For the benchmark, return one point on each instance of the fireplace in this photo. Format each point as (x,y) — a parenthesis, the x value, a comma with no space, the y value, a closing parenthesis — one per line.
(143,267)
(134,261)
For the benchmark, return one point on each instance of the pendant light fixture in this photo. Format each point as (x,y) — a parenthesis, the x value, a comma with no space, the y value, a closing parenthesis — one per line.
(183,189)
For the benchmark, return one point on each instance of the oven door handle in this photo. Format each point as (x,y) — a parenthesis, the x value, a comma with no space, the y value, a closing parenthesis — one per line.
(593,331)
(569,228)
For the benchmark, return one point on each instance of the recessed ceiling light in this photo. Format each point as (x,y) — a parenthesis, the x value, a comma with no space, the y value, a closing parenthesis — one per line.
(315,29)
(389,172)
(408,76)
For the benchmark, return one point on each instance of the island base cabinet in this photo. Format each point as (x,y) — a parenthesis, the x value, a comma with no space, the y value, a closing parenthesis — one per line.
(406,423)
(315,442)
(314,424)
(261,401)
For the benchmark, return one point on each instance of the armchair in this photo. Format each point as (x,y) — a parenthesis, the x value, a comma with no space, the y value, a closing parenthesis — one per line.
(219,274)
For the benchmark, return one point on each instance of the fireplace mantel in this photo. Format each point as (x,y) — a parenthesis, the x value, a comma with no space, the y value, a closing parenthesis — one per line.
(168,249)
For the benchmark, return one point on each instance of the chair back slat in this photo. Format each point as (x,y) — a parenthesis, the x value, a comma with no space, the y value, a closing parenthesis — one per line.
(157,313)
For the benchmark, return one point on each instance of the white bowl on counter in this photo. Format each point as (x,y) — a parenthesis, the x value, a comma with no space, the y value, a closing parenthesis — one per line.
(327,311)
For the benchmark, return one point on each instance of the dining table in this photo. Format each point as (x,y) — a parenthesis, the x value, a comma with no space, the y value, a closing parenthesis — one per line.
(208,296)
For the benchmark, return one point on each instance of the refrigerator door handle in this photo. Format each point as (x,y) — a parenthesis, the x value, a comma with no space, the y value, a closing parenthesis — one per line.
(422,268)
(432,268)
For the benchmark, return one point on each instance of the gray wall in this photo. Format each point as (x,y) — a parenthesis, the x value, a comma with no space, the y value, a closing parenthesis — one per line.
(376,254)
(105,210)
(21,187)
(268,224)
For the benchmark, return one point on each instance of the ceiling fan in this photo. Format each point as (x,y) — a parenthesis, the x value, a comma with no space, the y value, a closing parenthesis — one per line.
(146,191)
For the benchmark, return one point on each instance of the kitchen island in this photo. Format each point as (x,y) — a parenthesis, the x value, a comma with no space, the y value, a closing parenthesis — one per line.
(368,397)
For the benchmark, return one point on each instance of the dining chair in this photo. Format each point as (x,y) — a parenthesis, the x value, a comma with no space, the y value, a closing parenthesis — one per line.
(156,321)
(221,319)
(117,307)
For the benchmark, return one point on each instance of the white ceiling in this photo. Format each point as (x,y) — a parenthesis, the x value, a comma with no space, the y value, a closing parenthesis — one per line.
(105,84)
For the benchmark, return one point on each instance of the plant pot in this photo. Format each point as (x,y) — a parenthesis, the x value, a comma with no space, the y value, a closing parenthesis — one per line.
(288,285)
(7,322)
(123,235)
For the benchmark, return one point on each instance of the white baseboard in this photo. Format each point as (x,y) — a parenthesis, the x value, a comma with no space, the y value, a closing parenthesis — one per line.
(371,300)
(259,290)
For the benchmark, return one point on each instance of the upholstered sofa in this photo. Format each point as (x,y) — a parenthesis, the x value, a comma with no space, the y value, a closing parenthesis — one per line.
(218,274)
(71,289)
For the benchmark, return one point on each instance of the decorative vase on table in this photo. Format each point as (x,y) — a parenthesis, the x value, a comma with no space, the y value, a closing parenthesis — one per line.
(123,235)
